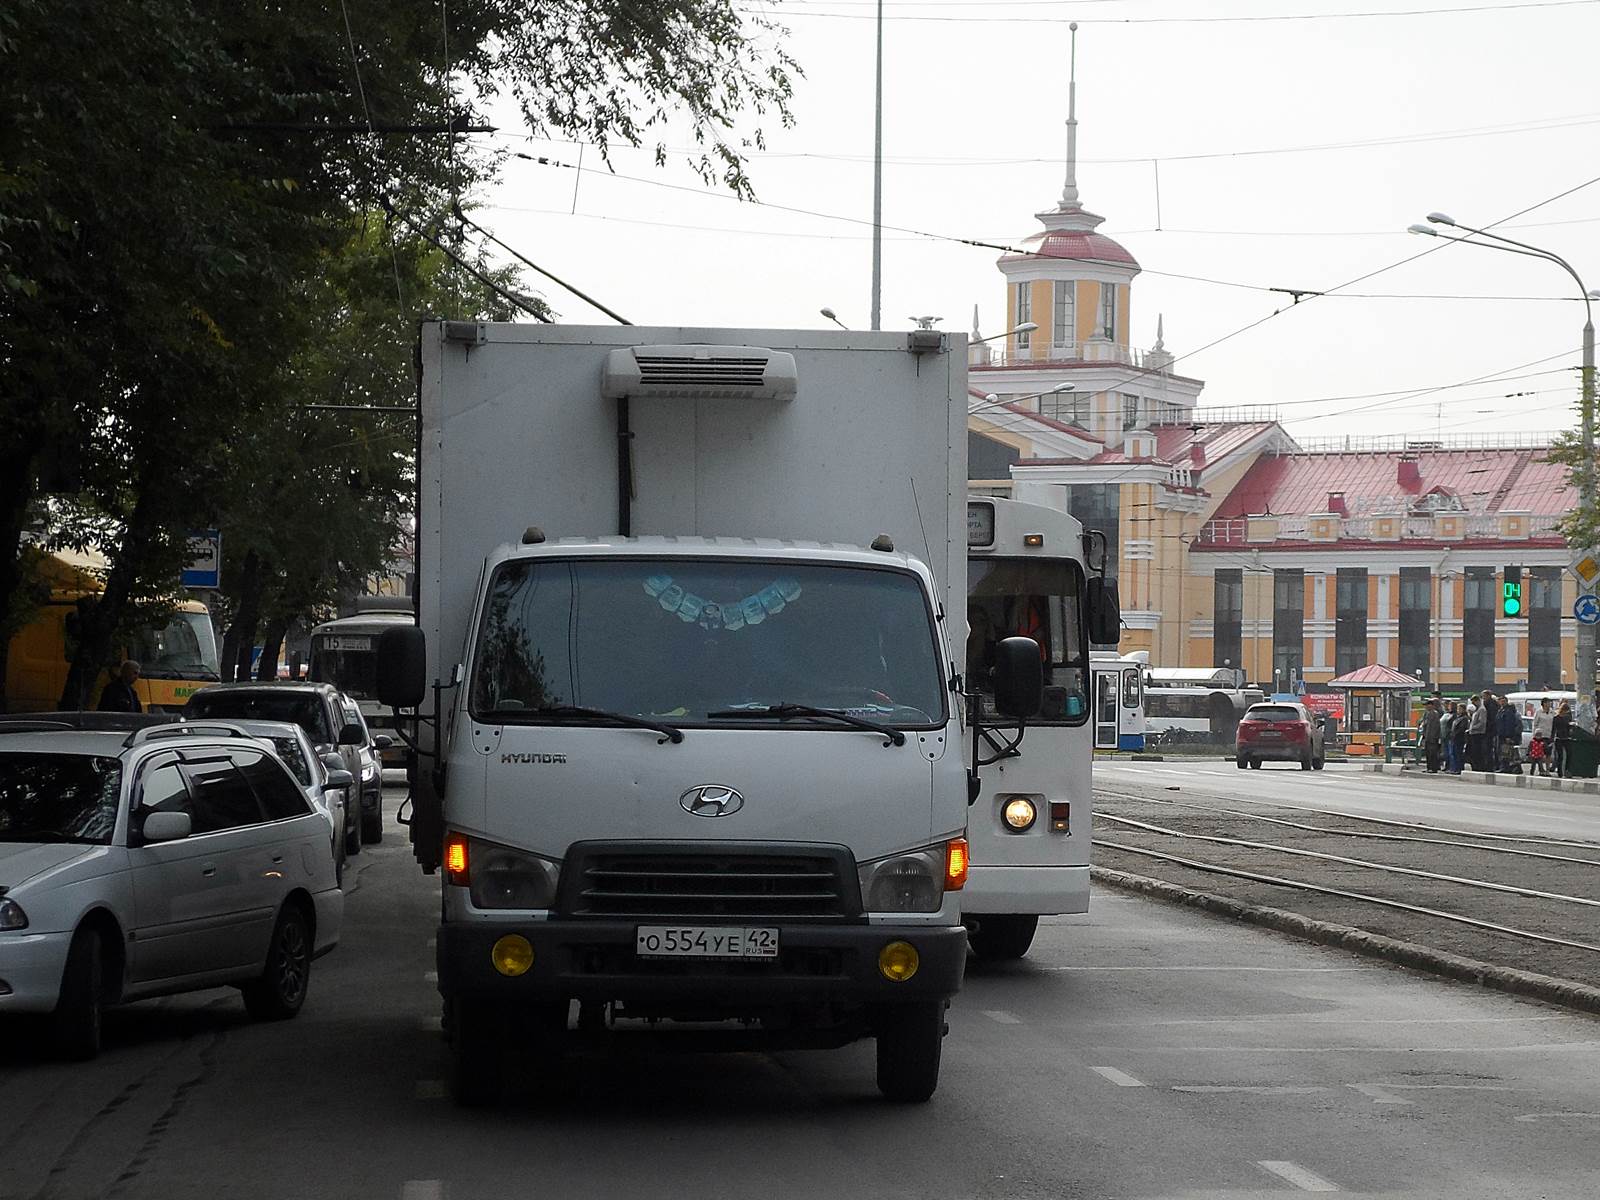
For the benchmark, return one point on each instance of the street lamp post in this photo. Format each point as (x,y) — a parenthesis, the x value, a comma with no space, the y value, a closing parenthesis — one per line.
(1585,714)
(877,186)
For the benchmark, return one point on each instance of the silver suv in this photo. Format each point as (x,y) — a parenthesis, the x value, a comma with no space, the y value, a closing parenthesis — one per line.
(163,860)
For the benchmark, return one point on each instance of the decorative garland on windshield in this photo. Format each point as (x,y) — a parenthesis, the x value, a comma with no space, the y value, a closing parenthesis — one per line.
(730,615)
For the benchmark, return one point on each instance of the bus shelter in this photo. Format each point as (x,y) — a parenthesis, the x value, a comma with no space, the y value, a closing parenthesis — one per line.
(1376,699)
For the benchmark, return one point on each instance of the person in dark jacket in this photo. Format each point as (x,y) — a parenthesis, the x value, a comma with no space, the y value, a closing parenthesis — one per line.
(118,694)
(1562,736)
(1491,731)
(1430,733)
(1459,729)
(1509,728)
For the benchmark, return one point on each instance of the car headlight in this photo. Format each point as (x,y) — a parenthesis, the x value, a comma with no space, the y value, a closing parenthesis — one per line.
(500,877)
(12,916)
(909,882)
(369,772)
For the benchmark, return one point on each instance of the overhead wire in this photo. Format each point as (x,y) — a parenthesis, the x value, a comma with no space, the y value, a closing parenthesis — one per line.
(372,132)
(1263,18)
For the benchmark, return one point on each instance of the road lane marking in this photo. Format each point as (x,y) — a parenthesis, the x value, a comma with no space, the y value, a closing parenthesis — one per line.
(1280,970)
(1559,1116)
(422,1189)
(431,1089)
(430,977)
(1251,1089)
(1378,1095)
(433,943)
(1524,1049)
(1294,1173)
(1450,1087)
(432,1024)
(1000,1017)
(1120,1078)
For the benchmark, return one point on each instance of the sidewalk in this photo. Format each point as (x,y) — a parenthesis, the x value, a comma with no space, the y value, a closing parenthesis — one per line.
(1493,778)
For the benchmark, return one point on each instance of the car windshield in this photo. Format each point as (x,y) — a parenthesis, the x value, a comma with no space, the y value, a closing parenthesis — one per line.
(1033,598)
(184,648)
(58,797)
(677,639)
(1273,712)
(298,708)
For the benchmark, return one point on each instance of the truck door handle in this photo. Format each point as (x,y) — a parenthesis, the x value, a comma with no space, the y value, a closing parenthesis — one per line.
(209,870)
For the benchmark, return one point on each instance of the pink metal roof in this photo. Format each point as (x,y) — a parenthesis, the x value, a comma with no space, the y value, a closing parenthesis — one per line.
(1081,245)
(1376,676)
(1175,443)
(1486,481)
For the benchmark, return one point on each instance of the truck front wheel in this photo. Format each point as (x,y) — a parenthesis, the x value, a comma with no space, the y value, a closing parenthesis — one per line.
(909,1040)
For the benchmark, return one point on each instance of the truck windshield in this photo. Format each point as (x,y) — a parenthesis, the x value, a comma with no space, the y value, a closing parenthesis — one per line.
(679,639)
(1036,598)
(184,648)
(58,797)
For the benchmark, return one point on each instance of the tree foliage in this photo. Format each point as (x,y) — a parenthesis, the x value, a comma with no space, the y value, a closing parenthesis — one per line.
(179,177)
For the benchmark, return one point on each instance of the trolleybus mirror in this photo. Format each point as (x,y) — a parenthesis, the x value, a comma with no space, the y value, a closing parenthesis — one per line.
(1018,678)
(1104,611)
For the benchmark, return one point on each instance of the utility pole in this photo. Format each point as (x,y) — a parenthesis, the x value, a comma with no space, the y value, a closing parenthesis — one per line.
(877,189)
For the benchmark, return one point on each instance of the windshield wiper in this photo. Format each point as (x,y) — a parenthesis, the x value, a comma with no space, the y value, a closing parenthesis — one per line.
(669,733)
(783,712)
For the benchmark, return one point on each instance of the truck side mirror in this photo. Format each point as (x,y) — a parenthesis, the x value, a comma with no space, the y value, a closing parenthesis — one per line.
(402,667)
(1104,611)
(1018,678)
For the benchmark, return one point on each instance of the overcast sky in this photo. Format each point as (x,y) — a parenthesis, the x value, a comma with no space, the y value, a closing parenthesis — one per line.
(1487,113)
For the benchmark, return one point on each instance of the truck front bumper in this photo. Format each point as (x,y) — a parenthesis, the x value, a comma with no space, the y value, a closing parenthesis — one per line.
(595,960)
(1045,891)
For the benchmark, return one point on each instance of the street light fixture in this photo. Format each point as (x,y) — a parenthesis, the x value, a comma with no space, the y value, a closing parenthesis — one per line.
(829,313)
(1025,327)
(992,398)
(1585,714)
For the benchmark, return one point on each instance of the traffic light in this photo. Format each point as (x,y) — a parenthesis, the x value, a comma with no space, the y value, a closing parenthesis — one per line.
(1511,594)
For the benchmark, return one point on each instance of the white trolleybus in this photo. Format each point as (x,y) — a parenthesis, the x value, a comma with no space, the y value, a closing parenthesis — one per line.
(1194,704)
(1029,826)
(344,652)
(1118,696)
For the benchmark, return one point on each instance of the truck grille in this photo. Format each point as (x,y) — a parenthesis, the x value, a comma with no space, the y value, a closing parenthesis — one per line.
(607,880)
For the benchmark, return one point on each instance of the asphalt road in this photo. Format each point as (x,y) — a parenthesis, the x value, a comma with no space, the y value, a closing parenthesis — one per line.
(1142,1051)
(1463,801)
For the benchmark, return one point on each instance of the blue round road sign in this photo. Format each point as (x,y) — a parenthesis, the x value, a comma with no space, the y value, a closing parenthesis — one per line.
(1587,610)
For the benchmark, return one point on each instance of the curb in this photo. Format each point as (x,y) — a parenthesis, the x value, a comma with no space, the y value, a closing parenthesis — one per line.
(1548,988)
(1533,783)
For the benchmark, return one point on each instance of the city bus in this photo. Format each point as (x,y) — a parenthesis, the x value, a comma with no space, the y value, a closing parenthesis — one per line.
(1029,825)
(1118,692)
(344,652)
(1195,704)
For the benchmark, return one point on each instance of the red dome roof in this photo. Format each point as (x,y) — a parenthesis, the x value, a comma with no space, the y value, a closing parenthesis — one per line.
(1078,244)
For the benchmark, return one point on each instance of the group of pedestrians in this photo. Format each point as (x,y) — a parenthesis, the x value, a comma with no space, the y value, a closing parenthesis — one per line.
(1484,732)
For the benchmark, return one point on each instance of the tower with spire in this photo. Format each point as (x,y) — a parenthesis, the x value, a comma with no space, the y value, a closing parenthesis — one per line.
(1074,283)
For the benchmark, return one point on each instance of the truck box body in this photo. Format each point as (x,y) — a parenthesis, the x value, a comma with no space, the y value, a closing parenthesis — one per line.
(652,463)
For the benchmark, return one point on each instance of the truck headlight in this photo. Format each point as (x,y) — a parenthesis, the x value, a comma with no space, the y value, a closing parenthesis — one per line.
(909,882)
(500,877)
(12,916)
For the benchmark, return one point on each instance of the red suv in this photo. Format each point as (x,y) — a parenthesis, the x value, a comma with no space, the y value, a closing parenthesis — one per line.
(1278,733)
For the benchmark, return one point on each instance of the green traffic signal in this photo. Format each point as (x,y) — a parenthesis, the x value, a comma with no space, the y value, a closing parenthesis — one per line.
(1511,600)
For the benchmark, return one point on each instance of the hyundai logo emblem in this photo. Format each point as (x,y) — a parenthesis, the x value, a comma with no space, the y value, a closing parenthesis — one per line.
(711,800)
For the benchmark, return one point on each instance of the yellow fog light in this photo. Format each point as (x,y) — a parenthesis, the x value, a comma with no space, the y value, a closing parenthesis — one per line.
(898,961)
(1019,814)
(512,955)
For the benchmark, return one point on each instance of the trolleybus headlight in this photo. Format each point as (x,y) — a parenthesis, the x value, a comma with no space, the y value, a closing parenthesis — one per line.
(505,878)
(1019,814)
(909,882)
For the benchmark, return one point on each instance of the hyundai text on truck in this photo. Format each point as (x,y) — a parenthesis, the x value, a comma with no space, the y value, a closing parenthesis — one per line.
(685,689)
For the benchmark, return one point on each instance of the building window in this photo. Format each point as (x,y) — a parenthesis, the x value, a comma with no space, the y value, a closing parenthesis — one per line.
(1416,614)
(1108,311)
(1164,412)
(1227,619)
(1350,620)
(1130,411)
(1065,333)
(1024,313)
(1480,596)
(1544,627)
(1288,626)
(1072,408)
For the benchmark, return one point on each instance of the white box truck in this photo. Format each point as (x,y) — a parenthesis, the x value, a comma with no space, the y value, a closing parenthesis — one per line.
(685,688)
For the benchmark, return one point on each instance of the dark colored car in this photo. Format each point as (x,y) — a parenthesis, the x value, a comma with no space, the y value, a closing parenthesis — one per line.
(1277,732)
(332,721)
